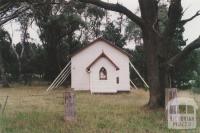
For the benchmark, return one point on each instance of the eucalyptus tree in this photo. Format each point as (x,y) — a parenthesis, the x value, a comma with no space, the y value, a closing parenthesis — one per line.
(94,19)
(179,76)
(9,10)
(58,24)
(158,43)
(7,58)
(113,34)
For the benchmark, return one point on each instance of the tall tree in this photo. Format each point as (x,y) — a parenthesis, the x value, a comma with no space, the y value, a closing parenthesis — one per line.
(58,24)
(113,34)
(8,11)
(157,44)
(21,48)
(181,76)
(6,56)
(94,17)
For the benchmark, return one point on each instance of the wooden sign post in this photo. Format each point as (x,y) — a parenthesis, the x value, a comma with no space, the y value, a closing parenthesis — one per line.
(170,93)
(69,105)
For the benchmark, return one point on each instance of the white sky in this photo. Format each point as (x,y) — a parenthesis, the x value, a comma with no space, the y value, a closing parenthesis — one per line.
(192,29)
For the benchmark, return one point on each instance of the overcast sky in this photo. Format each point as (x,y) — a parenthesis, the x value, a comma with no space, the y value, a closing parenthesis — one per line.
(192,29)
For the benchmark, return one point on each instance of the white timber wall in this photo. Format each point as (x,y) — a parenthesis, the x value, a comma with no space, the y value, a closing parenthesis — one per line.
(81,79)
(103,86)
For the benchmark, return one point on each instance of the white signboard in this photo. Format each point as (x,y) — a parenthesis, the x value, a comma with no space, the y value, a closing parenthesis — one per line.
(181,113)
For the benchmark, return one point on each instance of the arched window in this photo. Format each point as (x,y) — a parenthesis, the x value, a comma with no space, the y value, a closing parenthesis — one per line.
(117,80)
(102,74)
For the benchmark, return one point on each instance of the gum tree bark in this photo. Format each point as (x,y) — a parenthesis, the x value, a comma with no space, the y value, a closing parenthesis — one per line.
(157,44)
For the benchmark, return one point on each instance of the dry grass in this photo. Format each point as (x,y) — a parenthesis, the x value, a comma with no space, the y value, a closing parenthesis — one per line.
(190,94)
(26,99)
(121,113)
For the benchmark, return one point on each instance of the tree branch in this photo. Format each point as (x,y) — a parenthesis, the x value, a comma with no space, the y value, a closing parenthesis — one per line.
(187,50)
(118,8)
(174,17)
(7,13)
(13,15)
(183,22)
(5,7)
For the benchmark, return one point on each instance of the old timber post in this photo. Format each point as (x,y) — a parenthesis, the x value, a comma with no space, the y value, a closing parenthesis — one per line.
(170,93)
(69,106)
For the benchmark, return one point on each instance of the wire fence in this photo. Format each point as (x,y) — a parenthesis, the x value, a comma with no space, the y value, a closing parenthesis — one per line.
(53,102)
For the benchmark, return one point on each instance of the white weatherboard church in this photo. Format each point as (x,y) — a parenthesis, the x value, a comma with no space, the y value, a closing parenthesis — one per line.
(100,67)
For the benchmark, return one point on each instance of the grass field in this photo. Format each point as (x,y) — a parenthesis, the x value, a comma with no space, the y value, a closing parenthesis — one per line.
(33,110)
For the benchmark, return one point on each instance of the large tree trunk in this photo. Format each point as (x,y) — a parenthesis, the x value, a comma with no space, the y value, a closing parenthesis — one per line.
(151,43)
(157,74)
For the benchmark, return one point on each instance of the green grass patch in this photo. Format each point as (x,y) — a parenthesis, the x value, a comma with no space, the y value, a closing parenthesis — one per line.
(121,113)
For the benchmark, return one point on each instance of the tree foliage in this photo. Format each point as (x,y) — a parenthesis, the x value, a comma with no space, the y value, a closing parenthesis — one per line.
(7,58)
(113,34)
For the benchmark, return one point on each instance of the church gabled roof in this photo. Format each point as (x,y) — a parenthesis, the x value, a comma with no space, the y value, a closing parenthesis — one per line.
(104,40)
(99,57)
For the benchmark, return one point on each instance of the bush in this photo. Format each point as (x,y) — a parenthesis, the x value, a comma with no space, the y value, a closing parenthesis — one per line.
(196,86)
